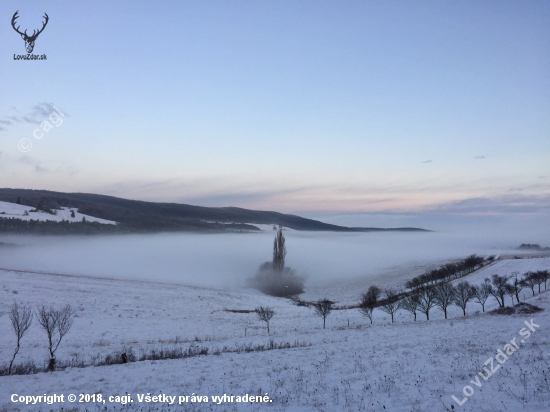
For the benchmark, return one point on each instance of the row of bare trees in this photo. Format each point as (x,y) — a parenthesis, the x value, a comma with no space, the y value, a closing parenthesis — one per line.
(442,295)
(56,323)
(322,308)
(447,272)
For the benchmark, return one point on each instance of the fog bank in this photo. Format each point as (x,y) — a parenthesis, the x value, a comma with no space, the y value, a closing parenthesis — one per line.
(226,260)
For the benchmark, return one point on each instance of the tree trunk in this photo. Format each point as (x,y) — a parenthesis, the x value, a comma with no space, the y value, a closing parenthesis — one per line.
(51,365)
(12,359)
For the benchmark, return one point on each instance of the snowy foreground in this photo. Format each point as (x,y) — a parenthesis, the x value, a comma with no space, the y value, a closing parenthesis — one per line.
(405,366)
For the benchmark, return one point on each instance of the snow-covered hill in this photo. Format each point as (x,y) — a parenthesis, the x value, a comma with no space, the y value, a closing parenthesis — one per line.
(13,210)
(405,366)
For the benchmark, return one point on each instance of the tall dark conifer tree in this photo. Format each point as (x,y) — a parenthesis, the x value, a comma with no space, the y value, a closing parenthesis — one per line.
(279,251)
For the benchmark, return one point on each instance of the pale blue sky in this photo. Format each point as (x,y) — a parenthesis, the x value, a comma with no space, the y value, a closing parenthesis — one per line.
(339,106)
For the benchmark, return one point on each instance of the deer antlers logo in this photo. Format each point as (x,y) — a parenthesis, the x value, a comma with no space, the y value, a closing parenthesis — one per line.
(29,40)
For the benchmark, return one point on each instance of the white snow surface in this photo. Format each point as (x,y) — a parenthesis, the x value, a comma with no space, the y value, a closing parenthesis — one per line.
(13,210)
(404,366)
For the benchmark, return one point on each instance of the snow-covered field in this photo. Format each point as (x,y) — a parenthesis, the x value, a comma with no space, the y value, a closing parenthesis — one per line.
(13,210)
(405,366)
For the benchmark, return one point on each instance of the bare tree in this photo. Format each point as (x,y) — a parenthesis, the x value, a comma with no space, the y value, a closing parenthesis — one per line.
(482,293)
(391,303)
(411,304)
(426,301)
(323,307)
(21,319)
(444,296)
(464,292)
(265,314)
(541,276)
(544,276)
(499,289)
(530,280)
(510,291)
(517,285)
(56,323)
(368,301)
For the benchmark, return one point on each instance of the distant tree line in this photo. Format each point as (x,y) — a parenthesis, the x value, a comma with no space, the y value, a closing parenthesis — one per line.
(532,246)
(84,227)
(64,227)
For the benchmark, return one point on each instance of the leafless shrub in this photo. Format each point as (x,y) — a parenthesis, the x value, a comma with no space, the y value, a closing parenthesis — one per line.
(524,308)
(299,302)
(26,368)
(283,283)
(116,358)
(56,323)
(519,309)
(21,319)
(503,311)
(265,314)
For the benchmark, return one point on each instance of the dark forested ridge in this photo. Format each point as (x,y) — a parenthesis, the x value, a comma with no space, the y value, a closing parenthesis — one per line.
(135,216)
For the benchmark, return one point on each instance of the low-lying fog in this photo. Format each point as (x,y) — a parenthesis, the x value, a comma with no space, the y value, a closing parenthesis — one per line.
(228,259)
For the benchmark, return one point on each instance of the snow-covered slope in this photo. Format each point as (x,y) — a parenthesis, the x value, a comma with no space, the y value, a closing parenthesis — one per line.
(13,210)
(405,366)
(507,267)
